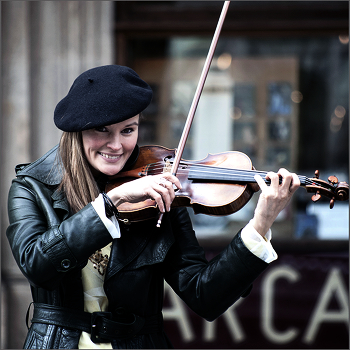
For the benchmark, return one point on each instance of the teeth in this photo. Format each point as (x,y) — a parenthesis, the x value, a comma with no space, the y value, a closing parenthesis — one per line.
(107,156)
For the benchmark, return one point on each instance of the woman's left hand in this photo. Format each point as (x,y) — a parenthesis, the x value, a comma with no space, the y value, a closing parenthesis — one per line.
(273,198)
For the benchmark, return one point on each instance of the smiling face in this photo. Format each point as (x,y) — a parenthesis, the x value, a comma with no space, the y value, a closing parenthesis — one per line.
(107,148)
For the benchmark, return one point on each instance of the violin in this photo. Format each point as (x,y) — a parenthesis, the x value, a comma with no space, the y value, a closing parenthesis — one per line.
(219,184)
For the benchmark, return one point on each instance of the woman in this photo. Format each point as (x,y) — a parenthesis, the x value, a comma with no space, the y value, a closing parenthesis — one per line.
(97,282)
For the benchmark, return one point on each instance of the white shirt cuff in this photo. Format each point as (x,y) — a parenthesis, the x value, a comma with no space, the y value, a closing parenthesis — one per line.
(111,224)
(257,244)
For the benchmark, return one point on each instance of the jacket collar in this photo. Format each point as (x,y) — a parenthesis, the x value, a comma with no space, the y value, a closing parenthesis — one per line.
(47,169)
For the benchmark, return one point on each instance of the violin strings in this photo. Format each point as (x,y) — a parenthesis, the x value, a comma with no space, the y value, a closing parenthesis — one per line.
(245,174)
(198,169)
(239,174)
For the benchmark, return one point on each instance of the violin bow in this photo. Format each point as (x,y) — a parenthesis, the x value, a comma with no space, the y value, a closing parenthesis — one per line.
(200,86)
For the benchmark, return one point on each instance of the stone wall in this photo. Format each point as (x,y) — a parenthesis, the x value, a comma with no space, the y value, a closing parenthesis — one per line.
(45,46)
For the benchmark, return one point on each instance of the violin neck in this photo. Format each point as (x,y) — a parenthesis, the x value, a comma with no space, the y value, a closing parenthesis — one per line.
(239,176)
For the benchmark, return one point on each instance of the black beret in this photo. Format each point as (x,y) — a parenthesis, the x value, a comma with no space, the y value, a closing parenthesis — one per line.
(102,96)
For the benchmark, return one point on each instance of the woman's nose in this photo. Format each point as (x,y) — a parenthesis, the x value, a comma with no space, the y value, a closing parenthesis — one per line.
(114,143)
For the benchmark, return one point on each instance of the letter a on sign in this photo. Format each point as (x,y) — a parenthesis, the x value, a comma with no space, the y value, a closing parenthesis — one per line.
(334,286)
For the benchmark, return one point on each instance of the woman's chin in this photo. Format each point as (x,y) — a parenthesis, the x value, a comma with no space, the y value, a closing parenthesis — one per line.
(110,170)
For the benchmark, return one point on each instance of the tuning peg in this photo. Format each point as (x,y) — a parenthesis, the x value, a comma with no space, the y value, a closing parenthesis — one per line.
(331,203)
(333,180)
(316,196)
(317,174)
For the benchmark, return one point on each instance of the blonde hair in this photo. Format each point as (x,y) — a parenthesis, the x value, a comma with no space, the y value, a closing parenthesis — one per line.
(78,182)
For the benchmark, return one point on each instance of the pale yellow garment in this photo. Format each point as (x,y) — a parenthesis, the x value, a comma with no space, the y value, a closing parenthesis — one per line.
(94,299)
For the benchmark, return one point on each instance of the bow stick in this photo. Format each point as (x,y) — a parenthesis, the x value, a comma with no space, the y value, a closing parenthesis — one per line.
(197,95)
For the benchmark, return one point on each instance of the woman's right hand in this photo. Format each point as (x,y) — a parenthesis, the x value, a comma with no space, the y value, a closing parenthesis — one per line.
(157,187)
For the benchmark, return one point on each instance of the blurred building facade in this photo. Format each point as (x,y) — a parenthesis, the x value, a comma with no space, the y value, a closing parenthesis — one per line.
(277,90)
(45,46)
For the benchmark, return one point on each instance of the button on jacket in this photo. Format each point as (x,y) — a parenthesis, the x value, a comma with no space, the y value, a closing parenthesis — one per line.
(51,246)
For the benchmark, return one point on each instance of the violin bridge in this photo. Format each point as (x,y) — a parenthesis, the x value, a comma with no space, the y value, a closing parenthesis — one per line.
(167,166)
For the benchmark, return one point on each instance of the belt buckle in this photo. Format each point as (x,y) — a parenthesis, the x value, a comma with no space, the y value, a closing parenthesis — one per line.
(95,331)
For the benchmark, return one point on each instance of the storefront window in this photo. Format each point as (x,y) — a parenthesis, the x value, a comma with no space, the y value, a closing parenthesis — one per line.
(281,101)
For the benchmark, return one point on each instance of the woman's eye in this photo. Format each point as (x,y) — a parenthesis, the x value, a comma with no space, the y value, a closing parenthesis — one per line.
(101,129)
(127,130)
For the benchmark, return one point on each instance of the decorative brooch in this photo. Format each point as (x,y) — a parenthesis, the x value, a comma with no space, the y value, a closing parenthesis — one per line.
(99,261)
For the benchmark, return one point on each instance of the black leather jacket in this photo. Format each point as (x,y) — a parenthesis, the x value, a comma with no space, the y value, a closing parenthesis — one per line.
(51,246)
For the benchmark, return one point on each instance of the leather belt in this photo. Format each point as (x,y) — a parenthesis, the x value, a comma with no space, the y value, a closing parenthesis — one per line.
(102,326)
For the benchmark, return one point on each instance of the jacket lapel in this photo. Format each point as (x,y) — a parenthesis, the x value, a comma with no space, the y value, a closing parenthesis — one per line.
(142,237)
(124,250)
(59,202)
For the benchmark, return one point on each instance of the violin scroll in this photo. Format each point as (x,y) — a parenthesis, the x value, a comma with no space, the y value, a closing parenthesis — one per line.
(332,189)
